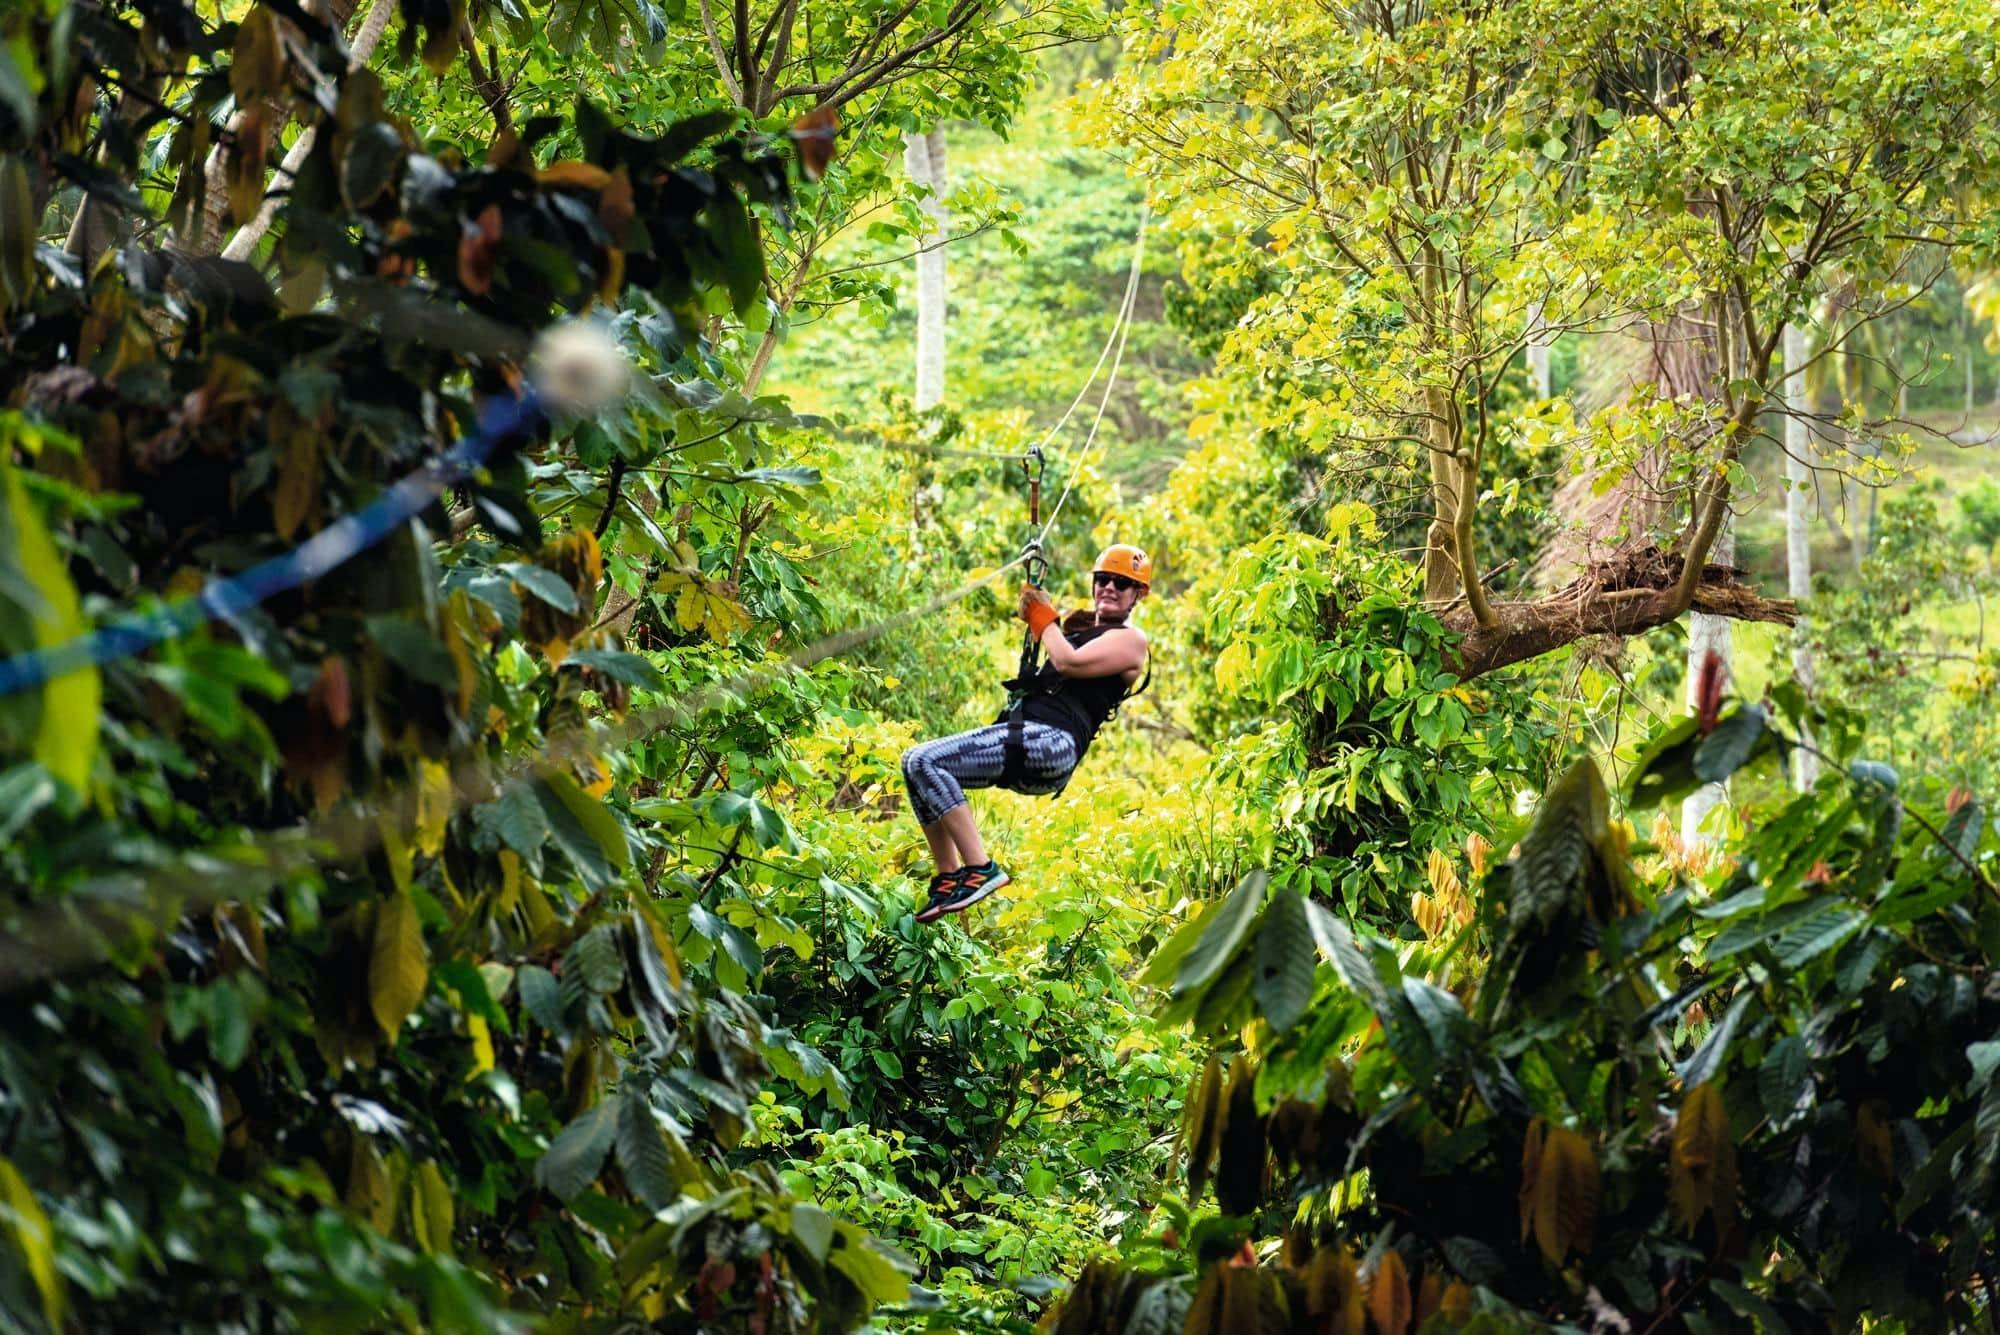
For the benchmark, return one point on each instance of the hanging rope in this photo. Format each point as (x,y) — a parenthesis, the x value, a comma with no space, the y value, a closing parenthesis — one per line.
(1114,347)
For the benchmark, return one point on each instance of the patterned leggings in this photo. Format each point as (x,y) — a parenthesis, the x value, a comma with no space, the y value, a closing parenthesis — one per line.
(939,772)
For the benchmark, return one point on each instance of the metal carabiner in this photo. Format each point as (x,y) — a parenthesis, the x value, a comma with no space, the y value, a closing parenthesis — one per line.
(1035,563)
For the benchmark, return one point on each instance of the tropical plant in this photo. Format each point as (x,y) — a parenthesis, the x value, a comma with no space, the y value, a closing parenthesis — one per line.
(1616,1091)
(383,1004)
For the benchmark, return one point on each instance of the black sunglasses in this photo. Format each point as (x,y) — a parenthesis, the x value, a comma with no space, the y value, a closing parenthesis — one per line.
(1100,578)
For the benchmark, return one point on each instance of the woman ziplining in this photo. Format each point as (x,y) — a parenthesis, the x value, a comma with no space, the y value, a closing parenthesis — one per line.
(1055,709)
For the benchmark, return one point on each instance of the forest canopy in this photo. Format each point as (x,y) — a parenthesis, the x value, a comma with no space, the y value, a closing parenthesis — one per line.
(490,493)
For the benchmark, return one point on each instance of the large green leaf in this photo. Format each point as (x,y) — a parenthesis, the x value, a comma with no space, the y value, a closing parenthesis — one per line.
(586,831)
(1738,737)
(880,1274)
(642,1152)
(398,971)
(1784,1078)
(597,959)
(65,733)
(1283,982)
(1556,852)
(576,1156)
(1223,930)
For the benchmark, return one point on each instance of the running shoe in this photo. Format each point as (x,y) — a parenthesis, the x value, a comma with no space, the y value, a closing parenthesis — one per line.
(940,891)
(967,887)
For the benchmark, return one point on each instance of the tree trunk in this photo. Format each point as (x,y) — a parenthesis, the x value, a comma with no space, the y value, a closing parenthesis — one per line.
(1971,344)
(1798,531)
(924,158)
(1707,635)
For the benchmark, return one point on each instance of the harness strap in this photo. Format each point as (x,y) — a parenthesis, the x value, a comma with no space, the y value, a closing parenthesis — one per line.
(1014,756)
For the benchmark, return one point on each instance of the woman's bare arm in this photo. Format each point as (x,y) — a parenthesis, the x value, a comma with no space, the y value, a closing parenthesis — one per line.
(1119,650)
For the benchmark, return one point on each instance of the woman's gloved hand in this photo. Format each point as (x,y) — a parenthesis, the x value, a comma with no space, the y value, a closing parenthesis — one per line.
(1036,610)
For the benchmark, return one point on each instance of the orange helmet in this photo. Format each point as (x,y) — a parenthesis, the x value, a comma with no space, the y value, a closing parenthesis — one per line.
(1122,558)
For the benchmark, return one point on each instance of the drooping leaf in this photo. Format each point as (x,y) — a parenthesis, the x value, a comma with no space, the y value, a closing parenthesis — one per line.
(631,669)
(432,1210)
(1241,1162)
(1223,930)
(1200,1116)
(1567,1188)
(1874,1146)
(642,1152)
(541,997)
(1557,850)
(1784,1079)
(35,1240)
(1701,1180)
(593,815)
(597,959)
(812,1228)
(734,239)
(882,1275)
(1389,1301)
(398,969)
(1284,962)
(1735,739)
(65,736)
(576,1156)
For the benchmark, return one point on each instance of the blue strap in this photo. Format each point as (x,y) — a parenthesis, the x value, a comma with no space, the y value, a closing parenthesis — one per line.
(334,545)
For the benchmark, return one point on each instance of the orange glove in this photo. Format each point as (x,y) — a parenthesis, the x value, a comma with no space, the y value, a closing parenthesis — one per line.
(1037,610)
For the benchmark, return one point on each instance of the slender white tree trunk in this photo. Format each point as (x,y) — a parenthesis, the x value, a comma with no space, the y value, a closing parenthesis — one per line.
(924,158)
(1707,635)
(1971,378)
(1798,530)
(1538,354)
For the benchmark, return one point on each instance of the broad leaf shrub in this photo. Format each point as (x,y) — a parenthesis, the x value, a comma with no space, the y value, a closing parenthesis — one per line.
(1345,722)
(1767,1097)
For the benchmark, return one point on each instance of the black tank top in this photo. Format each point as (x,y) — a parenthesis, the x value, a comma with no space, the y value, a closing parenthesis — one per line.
(1077,705)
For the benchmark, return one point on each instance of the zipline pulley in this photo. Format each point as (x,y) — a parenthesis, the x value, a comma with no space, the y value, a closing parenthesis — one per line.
(1032,464)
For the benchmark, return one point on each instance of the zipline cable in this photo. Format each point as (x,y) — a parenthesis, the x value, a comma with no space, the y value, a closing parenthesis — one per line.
(1121,329)
(573,364)
(225,599)
(1124,313)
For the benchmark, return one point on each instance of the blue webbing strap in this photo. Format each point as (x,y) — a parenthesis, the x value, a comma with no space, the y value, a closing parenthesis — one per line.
(334,545)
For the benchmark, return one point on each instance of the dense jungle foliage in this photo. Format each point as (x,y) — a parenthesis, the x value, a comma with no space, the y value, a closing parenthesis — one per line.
(509,924)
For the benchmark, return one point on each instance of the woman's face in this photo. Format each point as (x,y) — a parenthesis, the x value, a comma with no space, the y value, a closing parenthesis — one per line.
(1114,596)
